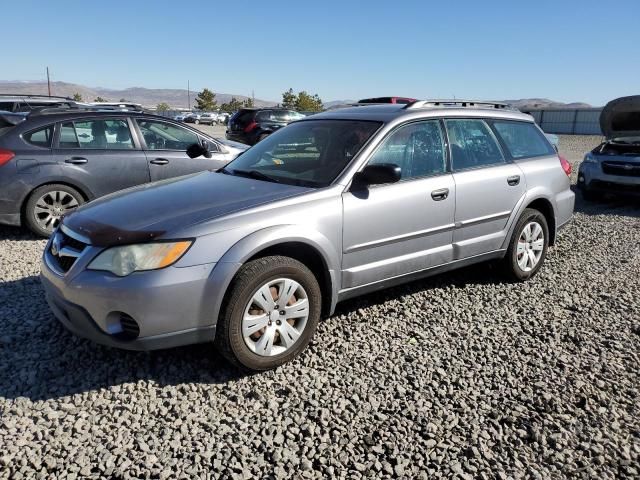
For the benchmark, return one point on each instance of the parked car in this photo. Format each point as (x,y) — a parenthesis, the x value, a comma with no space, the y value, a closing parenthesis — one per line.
(52,161)
(26,103)
(400,100)
(206,118)
(181,116)
(250,125)
(333,206)
(614,165)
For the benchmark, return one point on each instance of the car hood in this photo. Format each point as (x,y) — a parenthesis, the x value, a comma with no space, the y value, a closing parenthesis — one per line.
(156,209)
(621,117)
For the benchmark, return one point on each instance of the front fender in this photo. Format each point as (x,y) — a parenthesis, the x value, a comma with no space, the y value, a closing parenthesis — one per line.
(250,245)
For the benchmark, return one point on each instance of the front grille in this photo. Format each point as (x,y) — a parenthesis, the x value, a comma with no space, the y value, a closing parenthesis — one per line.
(623,169)
(65,250)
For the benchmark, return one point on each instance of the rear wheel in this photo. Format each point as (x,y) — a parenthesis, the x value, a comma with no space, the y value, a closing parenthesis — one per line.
(270,315)
(196,122)
(48,204)
(528,247)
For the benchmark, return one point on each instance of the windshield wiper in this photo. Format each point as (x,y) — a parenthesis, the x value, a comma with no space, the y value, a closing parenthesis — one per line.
(254,174)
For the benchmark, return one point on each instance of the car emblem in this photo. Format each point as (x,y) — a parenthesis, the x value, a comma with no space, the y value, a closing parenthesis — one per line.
(56,245)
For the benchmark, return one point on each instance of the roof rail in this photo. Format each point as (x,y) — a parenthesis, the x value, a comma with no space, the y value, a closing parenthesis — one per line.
(28,95)
(459,104)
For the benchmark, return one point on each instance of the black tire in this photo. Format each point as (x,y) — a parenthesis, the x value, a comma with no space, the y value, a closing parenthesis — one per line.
(511,265)
(590,195)
(30,214)
(253,275)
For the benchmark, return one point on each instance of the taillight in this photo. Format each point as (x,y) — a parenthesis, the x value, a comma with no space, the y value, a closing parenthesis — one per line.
(250,127)
(566,166)
(5,156)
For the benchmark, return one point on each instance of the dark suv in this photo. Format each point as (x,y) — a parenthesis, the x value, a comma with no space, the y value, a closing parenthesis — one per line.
(53,160)
(250,125)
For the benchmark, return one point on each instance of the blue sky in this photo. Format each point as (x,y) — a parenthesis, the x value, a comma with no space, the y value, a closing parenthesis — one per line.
(564,50)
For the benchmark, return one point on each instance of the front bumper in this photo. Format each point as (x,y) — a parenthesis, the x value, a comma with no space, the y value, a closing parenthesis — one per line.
(169,306)
(591,177)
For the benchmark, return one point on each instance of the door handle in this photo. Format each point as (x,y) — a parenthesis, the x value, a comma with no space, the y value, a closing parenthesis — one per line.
(440,194)
(159,161)
(76,160)
(513,180)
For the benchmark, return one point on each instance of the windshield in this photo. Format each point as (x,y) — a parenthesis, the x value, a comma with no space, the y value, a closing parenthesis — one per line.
(308,153)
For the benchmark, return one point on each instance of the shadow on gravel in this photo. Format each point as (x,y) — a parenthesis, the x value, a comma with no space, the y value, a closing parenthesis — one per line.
(40,359)
(16,233)
(610,204)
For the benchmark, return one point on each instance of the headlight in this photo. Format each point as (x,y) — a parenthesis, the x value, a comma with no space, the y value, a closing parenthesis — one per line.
(589,158)
(124,260)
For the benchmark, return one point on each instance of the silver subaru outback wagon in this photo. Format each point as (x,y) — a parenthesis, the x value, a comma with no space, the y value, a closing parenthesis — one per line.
(330,207)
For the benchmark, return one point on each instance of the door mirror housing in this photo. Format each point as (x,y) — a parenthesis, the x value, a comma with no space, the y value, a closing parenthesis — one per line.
(198,149)
(378,174)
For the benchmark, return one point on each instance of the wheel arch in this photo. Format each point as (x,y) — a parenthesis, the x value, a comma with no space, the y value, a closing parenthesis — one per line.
(545,207)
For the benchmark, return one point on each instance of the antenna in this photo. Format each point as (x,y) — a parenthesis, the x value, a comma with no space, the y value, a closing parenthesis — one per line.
(188,96)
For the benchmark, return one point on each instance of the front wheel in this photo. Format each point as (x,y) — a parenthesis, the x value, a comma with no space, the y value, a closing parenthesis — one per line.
(528,247)
(270,315)
(196,122)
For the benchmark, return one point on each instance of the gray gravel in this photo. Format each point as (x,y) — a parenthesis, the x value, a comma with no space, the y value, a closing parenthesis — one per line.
(458,376)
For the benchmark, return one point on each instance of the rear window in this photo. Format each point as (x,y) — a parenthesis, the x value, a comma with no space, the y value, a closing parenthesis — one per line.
(523,139)
(278,115)
(244,117)
(41,137)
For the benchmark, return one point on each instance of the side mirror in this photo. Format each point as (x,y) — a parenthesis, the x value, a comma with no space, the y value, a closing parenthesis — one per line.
(198,149)
(378,174)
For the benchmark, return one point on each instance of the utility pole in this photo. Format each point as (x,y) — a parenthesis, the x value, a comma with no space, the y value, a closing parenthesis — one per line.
(48,82)
(253,97)
(188,96)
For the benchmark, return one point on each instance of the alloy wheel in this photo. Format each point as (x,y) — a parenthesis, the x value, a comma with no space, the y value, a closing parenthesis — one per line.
(52,206)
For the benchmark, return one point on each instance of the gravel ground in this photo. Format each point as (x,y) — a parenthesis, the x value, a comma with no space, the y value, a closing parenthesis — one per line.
(460,375)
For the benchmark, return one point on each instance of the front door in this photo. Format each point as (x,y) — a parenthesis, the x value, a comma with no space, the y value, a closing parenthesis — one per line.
(101,155)
(488,188)
(395,229)
(166,144)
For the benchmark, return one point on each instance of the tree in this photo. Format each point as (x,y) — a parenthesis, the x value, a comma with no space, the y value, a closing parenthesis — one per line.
(100,99)
(308,103)
(233,106)
(163,107)
(122,100)
(302,102)
(248,103)
(77,97)
(289,99)
(206,100)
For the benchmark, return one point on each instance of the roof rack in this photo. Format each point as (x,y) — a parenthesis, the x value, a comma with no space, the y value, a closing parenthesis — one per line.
(459,104)
(28,95)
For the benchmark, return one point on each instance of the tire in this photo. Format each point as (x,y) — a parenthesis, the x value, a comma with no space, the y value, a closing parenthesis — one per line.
(518,262)
(196,122)
(58,201)
(590,195)
(248,352)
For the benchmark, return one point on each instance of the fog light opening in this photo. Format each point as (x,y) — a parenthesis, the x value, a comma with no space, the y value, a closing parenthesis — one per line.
(123,327)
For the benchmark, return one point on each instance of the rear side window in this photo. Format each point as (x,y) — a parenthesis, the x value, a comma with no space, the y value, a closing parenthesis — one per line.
(473,145)
(41,137)
(523,139)
(96,134)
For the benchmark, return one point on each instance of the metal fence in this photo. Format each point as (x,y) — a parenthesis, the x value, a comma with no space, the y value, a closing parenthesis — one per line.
(581,121)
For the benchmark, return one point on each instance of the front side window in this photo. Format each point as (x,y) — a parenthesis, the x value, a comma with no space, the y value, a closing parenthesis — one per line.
(417,148)
(472,144)
(41,137)
(166,136)
(309,153)
(96,134)
(522,139)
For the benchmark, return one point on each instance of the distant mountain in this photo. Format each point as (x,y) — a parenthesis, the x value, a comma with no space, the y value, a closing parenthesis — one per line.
(528,103)
(148,97)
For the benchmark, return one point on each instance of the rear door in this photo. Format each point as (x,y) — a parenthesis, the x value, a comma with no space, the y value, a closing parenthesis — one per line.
(101,154)
(165,144)
(488,187)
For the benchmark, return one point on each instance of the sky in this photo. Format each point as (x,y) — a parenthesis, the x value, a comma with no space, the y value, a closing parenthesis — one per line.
(563,50)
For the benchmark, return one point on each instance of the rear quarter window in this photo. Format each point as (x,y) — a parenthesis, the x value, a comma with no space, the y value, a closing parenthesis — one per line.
(41,137)
(523,139)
